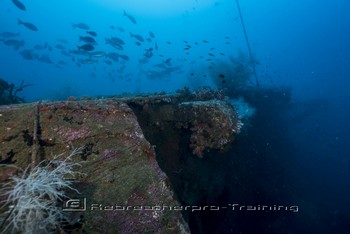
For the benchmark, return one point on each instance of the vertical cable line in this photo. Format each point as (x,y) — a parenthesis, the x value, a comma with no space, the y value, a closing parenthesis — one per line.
(248,45)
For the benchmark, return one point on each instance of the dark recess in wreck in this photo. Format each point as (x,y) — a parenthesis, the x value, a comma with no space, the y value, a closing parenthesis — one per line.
(245,172)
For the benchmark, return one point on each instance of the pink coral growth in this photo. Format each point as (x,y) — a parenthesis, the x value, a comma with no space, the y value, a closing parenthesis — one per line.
(70,134)
(109,154)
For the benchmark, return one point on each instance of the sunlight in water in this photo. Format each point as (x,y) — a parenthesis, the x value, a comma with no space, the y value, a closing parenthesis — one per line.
(156,7)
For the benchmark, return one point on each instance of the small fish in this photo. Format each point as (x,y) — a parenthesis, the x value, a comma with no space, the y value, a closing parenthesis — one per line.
(88,39)
(117,46)
(81,26)
(45,59)
(144,60)
(169,43)
(115,40)
(156,45)
(87,61)
(112,27)
(137,43)
(108,62)
(65,53)
(27,54)
(92,33)
(168,61)
(205,41)
(97,54)
(16,44)
(210,54)
(130,17)
(40,47)
(28,25)
(8,34)
(149,39)
(79,52)
(148,54)
(138,37)
(124,57)
(87,47)
(113,56)
(121,29)
(151,34)
(19,5)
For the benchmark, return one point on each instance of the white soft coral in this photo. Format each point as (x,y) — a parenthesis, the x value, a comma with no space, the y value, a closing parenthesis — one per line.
(31,199)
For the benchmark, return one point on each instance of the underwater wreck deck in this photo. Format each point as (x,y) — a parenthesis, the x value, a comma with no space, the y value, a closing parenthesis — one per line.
(122,183)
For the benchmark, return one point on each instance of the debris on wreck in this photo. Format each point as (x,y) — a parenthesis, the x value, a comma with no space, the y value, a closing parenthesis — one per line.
(8,92)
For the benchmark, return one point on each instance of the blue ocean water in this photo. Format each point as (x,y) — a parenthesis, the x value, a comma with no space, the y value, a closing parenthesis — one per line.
(301,45)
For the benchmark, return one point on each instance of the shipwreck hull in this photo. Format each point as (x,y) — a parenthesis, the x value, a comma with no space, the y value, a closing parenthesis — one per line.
(122,186)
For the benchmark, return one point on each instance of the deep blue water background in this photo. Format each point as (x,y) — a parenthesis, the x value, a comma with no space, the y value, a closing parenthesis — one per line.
(304,45)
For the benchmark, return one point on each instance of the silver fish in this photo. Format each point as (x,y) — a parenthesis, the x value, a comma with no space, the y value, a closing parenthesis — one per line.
(88,39)
(120,29)
(19,5)
(28,54)
(108,62)
(81,26)
(79,52)
(40,47)
(8,34)
(97,54)
(28,25)
(45,59)
(138,37)
(113,56)
(131,18)
(116,40)
(92,33)
(14,43)
(87,61)
(87,47)
(124,57)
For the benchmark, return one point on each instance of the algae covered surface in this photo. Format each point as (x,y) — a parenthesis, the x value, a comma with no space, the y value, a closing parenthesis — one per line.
(121,188)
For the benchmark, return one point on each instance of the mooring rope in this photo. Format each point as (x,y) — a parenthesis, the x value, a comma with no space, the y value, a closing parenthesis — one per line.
(248,45)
